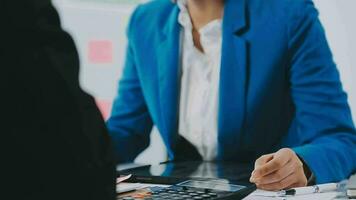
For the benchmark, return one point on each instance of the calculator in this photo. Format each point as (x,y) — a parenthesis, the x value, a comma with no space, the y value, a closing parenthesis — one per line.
(196,190)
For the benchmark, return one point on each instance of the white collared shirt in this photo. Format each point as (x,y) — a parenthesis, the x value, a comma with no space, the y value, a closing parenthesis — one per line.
(198,112)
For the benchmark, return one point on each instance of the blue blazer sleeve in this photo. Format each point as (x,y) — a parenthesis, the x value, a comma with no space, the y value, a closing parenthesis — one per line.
(130,123)
(322,112)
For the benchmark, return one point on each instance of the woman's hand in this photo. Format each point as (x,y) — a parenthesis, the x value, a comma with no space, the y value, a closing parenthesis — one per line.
(280,170)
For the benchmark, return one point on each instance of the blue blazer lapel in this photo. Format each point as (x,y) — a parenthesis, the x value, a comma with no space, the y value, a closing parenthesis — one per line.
(169,78)
(233,79)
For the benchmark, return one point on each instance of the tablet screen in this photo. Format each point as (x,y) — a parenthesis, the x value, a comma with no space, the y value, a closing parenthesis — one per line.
(175,172)
(212,185)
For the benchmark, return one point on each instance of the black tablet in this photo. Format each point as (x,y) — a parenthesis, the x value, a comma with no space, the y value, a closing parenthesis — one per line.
(195,180)
(176,172)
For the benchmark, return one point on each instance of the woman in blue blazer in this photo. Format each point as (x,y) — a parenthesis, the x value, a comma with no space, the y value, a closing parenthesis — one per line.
(280,98)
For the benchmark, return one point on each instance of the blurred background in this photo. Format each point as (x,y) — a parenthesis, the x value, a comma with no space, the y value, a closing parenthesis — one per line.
(99,30)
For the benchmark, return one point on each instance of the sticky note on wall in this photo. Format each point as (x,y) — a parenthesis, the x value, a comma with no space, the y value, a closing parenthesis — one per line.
(100,51)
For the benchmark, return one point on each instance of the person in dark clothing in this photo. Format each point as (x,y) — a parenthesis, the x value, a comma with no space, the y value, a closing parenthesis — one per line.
(54,142)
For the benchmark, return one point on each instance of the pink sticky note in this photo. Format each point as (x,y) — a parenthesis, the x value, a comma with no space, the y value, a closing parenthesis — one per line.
(100,51)
(105,107)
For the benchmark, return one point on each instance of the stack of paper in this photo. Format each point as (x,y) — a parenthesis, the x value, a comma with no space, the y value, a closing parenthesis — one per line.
(122,187)
(351,187)
(267,195)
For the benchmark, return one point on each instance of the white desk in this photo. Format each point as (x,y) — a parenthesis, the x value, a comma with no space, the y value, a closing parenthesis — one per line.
(255,196)
(319,196)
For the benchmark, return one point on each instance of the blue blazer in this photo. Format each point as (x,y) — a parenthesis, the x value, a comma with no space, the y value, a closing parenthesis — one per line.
(279,86)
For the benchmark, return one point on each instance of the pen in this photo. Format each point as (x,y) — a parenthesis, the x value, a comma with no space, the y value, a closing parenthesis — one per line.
(309,190)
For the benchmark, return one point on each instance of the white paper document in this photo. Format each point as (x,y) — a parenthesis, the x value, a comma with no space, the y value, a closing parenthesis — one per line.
(266,195)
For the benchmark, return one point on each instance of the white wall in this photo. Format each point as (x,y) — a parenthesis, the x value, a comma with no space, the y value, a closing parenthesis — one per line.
(338,17)
(89,20)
